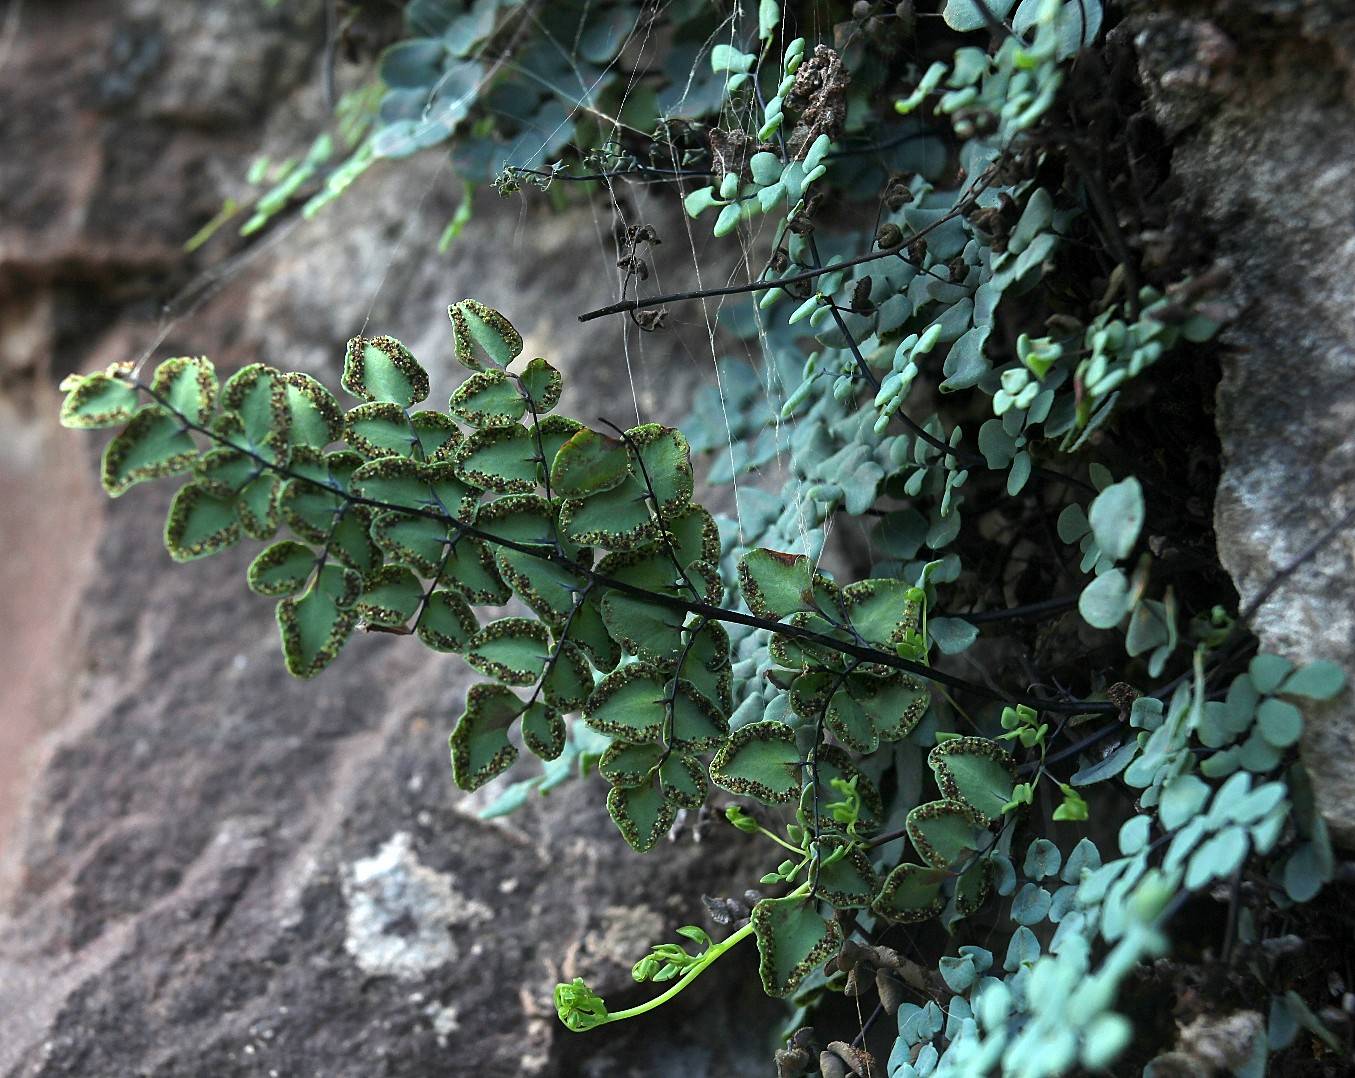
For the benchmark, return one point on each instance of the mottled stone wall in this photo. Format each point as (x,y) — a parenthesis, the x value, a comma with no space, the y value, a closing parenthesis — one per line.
(1258,100)
(222,871)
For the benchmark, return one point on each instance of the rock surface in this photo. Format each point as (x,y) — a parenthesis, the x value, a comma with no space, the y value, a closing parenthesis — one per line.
(223,871)
(1259,97)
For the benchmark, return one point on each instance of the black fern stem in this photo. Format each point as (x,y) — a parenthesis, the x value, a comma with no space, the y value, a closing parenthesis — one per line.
(673,602)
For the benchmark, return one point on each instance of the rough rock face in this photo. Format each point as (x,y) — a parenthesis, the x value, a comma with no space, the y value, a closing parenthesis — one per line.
(1259,98)
(222,871)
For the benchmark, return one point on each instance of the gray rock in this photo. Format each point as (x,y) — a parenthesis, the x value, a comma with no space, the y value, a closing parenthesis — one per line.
(221,870)
(1261,99)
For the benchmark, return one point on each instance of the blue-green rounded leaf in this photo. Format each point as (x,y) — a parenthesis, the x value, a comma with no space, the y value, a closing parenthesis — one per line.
(1268,671)
(413,64)
(1182,798)
(1106,600)
(1117,516)
(1319,680)
(1042,859)
(1031,904)
(1280,722)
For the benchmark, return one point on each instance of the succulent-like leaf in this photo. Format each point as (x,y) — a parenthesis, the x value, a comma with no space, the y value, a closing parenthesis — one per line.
(383,369)
(791,940)
(479,743)
(1116,517)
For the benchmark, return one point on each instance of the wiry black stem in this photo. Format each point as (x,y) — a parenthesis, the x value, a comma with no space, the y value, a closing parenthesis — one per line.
(673,602)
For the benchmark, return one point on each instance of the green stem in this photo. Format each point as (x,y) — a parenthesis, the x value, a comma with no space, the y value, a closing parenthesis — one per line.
(782,842)
(709,957)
